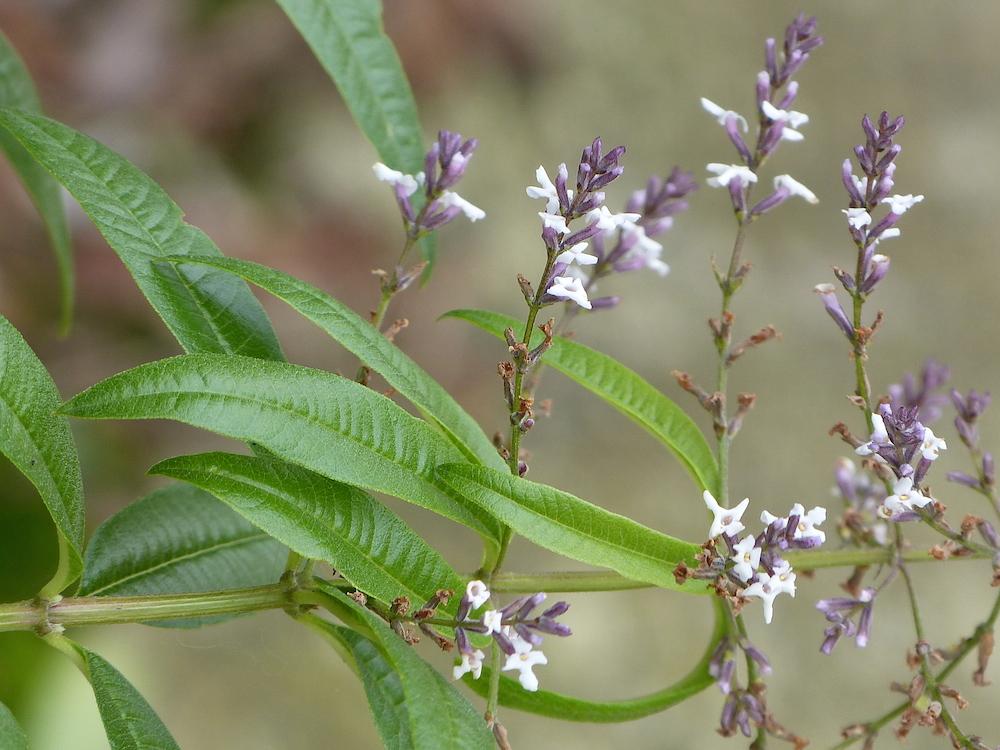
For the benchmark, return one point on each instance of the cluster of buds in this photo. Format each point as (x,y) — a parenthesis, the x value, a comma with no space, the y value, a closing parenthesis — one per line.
(444,165)
(776,122)
(862,496)
(722,665)
(516,630)
(969,408)
(841,612)
(567,249)
(923,392)
(877,160)
(752,567)
(901,443)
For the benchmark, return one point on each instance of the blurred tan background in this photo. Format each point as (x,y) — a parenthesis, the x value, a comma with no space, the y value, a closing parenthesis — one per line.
(222,103)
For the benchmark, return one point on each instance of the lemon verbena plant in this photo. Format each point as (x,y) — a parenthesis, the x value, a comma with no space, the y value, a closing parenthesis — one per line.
(300,500)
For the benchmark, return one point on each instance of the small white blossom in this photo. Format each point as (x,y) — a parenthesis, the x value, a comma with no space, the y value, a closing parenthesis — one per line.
(726,173)
(554,221)
(546,189)
(722,115)
(857,217)
(932,445)
(900,204)
(903,498)
(646,248)
(472,212)
(607,221)
(794,187)
(470,663)
(888,234)
(477,593)
(492,619)
(726,520)
(746,557)
(568,287)
(576,253)
(407,182)
(791,120)
(524,663)
(808,521)
(878,437)
(768,587)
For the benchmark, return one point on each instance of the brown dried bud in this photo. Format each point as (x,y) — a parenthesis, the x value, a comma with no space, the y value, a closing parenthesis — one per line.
(526,289)
(439,640)
(359,597)
(397,325)
(764,334)
(681,573)
(400,606)
(984,653)
(950,692)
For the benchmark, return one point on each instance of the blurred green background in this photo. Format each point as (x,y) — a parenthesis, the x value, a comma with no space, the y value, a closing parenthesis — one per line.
(222,103)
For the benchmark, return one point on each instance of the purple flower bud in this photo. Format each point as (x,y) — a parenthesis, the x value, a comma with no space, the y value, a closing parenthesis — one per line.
(845,279)
(548,625)
(864,160)
(504,643)
(462,641)
(605,303)
(435,220)
(989,533)
(763,87)
(877,269)
(833,308)
(732,130)
(606,178)
(960,477)
(791,92)
(430,167)
(736,194)
(528,634)
(771,58)
(846,176)
(989,470)
(562,175)
(772,201)
(557,609)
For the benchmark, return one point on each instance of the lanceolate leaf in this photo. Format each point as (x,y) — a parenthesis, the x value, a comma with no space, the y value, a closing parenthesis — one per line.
(312,418)
(623,389)
(573,527)
(129,721)
(348,40)
(17,91)
(40,445)
(178,540)
(371,347)
(12,737)
(206,310)
(567,708)
(322,520)
(436,715)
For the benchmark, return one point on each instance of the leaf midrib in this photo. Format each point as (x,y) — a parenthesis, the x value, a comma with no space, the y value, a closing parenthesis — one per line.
(193,555)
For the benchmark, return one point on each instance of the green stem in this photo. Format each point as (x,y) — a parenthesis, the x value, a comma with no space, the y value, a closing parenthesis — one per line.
(41,614)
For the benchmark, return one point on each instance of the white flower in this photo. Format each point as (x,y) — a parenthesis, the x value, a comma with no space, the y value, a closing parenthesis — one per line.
(721,115)
(554,221)
(492,619)
(879,437)
(407,182)
(576,253)
(727,520)
(524,662)
(900,204)
(746,557)
(808,522)
(903,498)
(607,221)
(932,445)
(794,187)
(646,248)
(568,287)
(546,189)
(470,663)
(768,587)
(472,213)
(477,593)
(888,234)
(857,217)
(726,173)
(791,119)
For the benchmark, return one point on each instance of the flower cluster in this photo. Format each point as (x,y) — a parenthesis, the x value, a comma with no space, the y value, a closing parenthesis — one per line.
(444,165)
(840,612)
(877,160)
(902,443)
(513,629)
(862,497)
(969,408)
(776,122)
(753,566)
(567,249)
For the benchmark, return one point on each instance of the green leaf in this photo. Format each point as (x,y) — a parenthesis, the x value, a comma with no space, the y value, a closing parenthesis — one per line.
(568,708)
(384,689)
(362,339)
(129,721)
(348,40)
(573,527)
(314,419)
(207,311)
(623,389)
(178,540)
(12,737)
(322,520)
(18,92)
(40,445)
(431,713)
